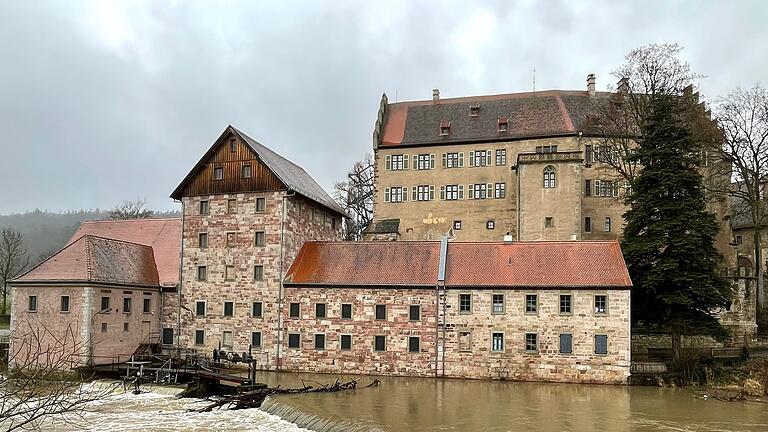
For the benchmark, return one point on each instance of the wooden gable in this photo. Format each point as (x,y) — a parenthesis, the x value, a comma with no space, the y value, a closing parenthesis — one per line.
(223,170)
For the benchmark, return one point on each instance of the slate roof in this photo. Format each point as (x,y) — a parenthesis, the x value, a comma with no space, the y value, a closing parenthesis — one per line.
(543,264)
(97,260)
(293,176)
(530,115)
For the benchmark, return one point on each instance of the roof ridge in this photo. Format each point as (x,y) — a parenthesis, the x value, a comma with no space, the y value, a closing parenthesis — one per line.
(116,240)
(472,98)
(130,220)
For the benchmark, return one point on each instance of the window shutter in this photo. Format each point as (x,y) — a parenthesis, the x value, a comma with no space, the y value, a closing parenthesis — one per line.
(565,343)
(414,196)
(431,193)
(405,192)
(389,162)
(461,192)
(471,158)
(588,187)
(445,160)
(615,188)
(601,344)
(597,187)
(588,154)
(405,162)
(442,192)
(432,161)
(386,193)
(487,158)
(415,159)
(471,191)
(461,159)
(489,189)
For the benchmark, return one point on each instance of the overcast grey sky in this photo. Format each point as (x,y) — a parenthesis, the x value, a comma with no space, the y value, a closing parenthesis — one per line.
(105,101)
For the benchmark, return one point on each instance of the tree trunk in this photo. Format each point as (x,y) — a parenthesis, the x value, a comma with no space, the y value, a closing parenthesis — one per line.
(760,272)
(5,297)
(676,346)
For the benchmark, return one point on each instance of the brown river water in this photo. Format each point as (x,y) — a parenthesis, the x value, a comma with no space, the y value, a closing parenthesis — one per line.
(419,404)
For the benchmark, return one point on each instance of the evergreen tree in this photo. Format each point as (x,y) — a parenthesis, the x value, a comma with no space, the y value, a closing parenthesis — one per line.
(668,242)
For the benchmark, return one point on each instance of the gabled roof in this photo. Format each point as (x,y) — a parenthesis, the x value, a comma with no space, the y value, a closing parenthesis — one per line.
(163,235)
(530,115)
(92,259)
(545,264)
(293,176)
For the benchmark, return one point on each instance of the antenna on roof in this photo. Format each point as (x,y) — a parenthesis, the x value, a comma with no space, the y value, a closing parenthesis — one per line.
(534,80)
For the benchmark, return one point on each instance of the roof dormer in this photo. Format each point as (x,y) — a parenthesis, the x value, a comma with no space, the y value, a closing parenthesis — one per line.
(445,128)
(503,125)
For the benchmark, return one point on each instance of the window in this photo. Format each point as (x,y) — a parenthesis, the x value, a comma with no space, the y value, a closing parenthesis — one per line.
(226,340)
(346,311)
(229,309)
(294,340)
(167,338)
(200,308)
(32,305)
(232,145)
(379,343)
(229,273)
(425,161)
(549,177)
(497,304)
(259,238)
(601,344)
(65,303)
(601,304)
(231,239)
(587,187)
(258,272)
(423,193)
(256,310)
(218,173)
(501,157)
(587,224)
(739,240)
(480,158)
(565,303)
(531,342)
(127,304)
(396,162)
(606,188)
(452,192)
(204,207)
(146,306)
(202,273)
(199,337)
(381,312)
(246,171)
(202,240)
(465,303)
(465,341)
(319,341)
(105,306)
(232,206)
(457,224)
(548,222)
(531,303)
(445,128)
(607,224)
(474,110)
(294,310)
(500,190)
(103,327)
(320,310)
(125,327)
(414,313)
(490,225)
(566,343)
(503,126)
(395,194)
(414,344)
(546,149)
(497,342)
(346,342)
(588,154)
(453,160)
(261,205)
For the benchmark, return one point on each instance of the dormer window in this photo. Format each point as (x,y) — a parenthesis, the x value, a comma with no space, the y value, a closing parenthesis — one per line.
(474,110)
(445,128)
(503,124)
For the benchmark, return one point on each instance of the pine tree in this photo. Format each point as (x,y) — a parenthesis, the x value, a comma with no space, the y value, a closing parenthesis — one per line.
(668,242)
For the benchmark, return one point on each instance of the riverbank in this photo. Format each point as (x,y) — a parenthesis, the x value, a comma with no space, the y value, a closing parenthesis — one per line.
(742,381)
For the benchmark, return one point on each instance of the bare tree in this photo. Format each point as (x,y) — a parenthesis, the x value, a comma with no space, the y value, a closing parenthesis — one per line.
(131,210)
(13,259)
(39,383)
(742,116)
(355,196)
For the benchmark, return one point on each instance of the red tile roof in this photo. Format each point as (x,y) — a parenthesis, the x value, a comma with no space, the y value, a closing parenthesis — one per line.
(162,234)
(555,264)
(97,259)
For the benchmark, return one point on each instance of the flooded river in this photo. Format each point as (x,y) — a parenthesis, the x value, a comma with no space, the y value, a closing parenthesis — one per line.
(410,404)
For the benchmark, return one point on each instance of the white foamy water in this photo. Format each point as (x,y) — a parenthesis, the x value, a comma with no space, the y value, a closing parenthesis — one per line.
(154,411)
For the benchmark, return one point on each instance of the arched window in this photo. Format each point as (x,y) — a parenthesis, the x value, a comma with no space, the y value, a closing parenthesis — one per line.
(549,177)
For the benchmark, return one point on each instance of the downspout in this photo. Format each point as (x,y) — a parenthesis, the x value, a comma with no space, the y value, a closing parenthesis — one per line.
(517,172)
(280,303)
(178,287)
(441,309)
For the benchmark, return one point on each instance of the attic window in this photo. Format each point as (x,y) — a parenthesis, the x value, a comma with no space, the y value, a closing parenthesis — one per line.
(503,124)
(445,128)
(474,110)
(247,171)
(218,173)
(233,145)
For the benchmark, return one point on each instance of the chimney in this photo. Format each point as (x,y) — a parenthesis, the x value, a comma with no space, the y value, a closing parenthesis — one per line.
(623,85)
(435,95)
(591,84)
